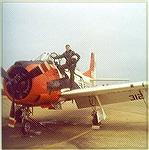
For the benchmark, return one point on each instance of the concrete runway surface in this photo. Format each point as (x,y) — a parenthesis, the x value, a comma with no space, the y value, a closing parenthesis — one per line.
(125,127)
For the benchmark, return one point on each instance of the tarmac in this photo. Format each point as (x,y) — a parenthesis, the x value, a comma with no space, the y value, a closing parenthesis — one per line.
(70,128)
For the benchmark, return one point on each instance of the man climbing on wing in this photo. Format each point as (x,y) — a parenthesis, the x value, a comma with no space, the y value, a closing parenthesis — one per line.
(70,64)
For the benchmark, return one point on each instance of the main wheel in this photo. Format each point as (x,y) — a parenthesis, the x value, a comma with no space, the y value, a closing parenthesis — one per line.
(95,120)
(26,127)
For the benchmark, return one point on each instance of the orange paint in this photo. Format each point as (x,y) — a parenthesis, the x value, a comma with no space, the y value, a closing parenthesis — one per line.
(39,94)
(89,72)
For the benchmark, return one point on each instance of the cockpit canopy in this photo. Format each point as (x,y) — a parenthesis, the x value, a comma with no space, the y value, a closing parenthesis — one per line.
(44,57)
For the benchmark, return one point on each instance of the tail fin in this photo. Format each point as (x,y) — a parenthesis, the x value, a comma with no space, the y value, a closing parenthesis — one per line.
(91,72)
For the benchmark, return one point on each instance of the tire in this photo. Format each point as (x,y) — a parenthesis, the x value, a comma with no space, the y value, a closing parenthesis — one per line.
(18,116)
(26,127)
(95,120)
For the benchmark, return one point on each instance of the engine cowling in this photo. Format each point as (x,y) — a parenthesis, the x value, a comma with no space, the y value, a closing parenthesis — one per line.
(28,83)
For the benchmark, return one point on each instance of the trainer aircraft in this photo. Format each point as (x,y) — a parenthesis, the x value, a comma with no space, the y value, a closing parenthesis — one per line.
(38,83)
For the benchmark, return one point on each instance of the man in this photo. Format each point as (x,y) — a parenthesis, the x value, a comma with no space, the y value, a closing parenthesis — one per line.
(70,64)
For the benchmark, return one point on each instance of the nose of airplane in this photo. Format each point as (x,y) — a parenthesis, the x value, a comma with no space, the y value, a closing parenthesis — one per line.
(18,81)
(18,85)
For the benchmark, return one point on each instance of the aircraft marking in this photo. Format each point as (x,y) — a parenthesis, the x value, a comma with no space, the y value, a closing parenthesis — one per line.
(137,96)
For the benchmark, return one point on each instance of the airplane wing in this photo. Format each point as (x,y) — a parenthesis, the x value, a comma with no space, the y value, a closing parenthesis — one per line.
(110,94)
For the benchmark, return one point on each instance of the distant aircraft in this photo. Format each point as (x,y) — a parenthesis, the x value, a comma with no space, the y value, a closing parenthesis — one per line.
(39,83)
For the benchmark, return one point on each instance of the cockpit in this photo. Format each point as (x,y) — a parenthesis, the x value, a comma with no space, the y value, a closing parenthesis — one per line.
(44,57)
(49,58)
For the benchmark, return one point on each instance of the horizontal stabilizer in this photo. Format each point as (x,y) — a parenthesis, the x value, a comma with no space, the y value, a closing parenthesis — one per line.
(109,79)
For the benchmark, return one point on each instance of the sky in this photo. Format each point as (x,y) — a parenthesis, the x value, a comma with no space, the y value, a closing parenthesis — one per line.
(115,32)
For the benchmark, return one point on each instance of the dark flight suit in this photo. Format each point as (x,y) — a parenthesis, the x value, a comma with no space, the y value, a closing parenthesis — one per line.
(70,64)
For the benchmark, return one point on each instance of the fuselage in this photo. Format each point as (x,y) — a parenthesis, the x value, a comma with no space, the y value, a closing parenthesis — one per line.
(34,91)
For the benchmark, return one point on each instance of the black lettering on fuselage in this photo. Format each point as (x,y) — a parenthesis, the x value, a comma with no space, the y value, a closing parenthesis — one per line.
(137,96)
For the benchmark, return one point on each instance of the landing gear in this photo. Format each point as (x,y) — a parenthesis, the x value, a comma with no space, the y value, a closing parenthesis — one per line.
(18,115)
(22,116)
(26,127)
(28,124)
(97,113)
(96,121)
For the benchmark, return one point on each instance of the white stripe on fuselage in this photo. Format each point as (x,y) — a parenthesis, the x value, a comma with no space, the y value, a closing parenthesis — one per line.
(80,79)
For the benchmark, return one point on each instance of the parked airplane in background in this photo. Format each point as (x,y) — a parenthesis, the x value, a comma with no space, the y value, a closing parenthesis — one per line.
(39,83)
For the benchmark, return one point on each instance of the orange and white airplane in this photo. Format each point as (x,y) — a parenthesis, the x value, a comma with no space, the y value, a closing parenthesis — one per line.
(39,83)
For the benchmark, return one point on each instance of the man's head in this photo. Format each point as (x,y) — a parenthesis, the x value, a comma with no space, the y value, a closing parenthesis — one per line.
(67,47)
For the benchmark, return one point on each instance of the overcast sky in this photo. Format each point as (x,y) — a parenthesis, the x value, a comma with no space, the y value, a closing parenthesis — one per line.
(116,32)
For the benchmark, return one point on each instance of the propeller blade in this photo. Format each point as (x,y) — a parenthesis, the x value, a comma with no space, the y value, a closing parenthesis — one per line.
(31,74)
(4,74)
(35,72)
(12,121)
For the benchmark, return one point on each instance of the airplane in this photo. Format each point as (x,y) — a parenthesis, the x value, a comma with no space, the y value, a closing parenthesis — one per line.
(38,83)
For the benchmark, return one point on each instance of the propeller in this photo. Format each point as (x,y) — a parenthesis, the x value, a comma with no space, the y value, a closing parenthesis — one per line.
(12,120)
(4,74)
(28,75)
(16,87)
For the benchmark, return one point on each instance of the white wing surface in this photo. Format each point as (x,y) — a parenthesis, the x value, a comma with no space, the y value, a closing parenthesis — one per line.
(110,94)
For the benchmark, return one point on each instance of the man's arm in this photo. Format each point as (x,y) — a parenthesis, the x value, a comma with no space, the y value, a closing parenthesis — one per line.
(60,56)
(78,56)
